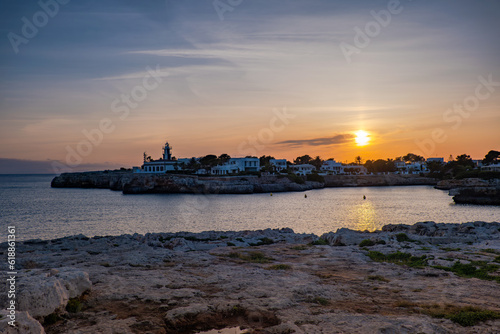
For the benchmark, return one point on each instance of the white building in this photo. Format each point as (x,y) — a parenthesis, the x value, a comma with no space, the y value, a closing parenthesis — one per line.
(337,168)
(303,169)
(236,165)
(354,169)
(278,164)
(491,168)
(161,165)
(441,160)
(478,163)
(410,168)
(332,167)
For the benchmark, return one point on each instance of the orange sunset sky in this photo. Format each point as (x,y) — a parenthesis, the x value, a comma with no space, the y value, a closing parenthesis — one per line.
(419,77)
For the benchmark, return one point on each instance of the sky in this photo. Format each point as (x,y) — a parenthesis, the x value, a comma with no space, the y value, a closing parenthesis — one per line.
(88,85)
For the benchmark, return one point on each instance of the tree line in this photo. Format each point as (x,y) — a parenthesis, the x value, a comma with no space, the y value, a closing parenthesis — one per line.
(454,167)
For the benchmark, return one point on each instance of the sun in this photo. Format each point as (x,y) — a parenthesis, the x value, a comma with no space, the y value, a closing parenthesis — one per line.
(362,138)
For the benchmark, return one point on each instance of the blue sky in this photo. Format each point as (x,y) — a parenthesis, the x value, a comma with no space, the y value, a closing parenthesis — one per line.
(223,80)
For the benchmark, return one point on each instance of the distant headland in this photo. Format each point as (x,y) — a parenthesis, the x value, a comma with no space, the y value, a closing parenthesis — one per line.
(469,181)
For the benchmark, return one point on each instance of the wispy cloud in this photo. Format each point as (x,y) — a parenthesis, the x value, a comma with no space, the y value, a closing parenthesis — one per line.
(325,141)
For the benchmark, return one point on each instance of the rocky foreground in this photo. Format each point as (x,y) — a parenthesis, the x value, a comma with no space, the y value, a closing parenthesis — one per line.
(424,278)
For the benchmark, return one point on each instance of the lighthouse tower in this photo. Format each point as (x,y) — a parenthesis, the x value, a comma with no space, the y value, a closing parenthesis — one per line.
(167,154)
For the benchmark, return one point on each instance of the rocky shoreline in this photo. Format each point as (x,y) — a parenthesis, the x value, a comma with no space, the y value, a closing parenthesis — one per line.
(130,183)
(472,191)
(422,278)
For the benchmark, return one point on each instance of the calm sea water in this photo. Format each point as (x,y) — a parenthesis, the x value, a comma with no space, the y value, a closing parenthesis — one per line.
(39,211)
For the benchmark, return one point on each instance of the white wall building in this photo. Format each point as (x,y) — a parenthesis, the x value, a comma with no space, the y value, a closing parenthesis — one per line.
(410,168)
(278,164)
(236,165)
(332,167)
(303,169)
(337,168)
(441,160)
(354,169)
(491,168)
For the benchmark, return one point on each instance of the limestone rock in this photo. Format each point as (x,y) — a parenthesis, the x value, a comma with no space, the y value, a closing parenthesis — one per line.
(42,293)
(25,324)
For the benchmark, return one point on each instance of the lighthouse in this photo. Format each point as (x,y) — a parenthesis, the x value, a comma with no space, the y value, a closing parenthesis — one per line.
(167,154)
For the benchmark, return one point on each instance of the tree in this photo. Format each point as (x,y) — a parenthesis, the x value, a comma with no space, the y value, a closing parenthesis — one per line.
(491,157)
(193,164)
(209,161)
(358,160)
(146,157)
(410,157)
(223,158)
(317,162)
(465,160)
(435,166)
(380,166)
(305,159)
(264,160)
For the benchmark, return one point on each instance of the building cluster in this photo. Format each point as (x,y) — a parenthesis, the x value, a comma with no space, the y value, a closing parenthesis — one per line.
(252,164)
(249,164)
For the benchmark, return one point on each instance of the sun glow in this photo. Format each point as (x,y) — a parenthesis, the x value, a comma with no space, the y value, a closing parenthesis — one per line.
(362,138)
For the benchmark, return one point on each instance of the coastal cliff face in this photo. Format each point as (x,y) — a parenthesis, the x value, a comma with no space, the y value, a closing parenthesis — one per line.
(468,182)
(213,185)
(113,180)
(377,180)
(473,191)
(131,183)
(476,195)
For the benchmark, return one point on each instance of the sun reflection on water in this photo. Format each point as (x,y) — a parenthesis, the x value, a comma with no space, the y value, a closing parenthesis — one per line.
(365,216)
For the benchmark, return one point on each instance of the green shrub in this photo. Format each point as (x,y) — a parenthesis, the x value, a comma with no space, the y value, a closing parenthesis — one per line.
(51,319)
(464,316)
(377,278)
(476,269)
(263,241)
(319,300)
(320,242)
(399,258)
(254,257)
(400,237)
(366,243)
(316,178)
(295,178)
(74,305)
(471,316)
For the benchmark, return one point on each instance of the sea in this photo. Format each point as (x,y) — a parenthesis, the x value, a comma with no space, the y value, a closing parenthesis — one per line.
(38,211)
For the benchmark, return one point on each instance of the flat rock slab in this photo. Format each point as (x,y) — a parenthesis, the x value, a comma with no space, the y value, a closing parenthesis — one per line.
(271,281)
